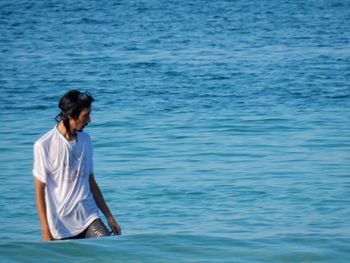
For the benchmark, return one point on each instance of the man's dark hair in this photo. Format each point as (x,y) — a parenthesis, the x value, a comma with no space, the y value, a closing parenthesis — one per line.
(71,105)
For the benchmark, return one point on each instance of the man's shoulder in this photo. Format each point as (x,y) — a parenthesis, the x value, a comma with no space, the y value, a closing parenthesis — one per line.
(84,136)
(46,137)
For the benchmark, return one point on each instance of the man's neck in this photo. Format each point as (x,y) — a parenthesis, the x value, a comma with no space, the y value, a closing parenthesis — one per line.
(69,135)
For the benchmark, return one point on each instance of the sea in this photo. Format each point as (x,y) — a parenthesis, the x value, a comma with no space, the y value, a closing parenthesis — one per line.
(221,129)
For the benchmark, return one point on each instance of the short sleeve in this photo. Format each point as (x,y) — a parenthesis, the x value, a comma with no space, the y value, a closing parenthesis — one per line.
(39,170)
(90,161)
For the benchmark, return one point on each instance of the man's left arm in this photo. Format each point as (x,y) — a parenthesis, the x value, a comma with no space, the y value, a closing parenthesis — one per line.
(101,203)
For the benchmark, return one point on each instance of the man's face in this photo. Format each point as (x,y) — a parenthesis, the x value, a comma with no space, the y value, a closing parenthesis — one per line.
(82,121)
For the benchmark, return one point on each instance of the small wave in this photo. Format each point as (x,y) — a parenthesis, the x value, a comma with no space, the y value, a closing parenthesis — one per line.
(339,96)
(178,248)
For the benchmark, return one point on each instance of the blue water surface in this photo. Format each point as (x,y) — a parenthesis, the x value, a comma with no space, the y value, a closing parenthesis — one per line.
(220,128)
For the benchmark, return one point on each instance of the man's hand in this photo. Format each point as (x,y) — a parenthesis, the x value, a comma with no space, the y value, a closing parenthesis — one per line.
(100,201)
(114,226)
(46,235)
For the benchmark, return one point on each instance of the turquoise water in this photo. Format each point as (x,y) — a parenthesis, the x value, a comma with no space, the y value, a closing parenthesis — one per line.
(220,128)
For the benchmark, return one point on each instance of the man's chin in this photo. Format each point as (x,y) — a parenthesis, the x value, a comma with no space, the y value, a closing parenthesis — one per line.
(82,129)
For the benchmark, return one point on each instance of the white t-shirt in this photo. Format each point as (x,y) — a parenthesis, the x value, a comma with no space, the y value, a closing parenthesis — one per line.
(65,168)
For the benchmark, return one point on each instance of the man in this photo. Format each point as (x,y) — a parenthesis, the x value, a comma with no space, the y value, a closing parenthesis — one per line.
(66,193)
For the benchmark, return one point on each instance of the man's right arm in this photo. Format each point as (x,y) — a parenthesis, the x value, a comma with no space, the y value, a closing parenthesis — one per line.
(41,208)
